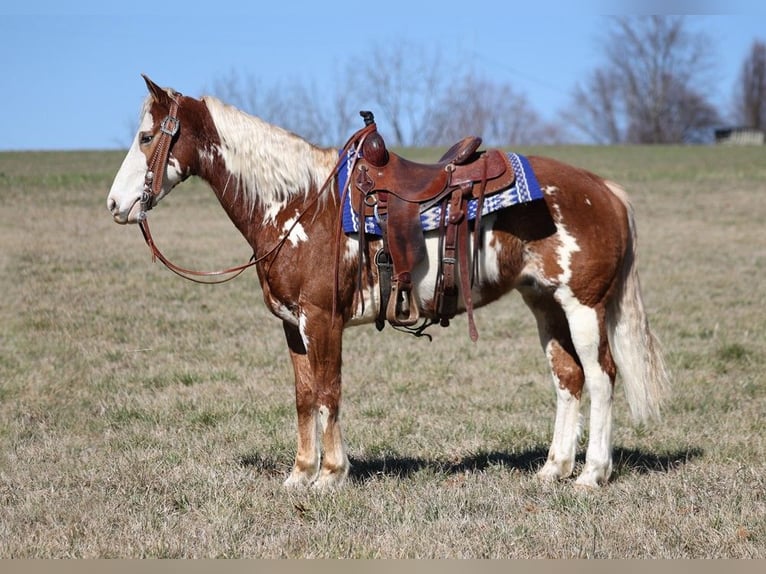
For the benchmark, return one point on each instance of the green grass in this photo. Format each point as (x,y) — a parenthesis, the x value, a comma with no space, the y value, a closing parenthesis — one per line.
(145,416)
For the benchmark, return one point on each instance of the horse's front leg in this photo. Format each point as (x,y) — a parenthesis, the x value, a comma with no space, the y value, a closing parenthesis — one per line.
(315,350)
(306,466)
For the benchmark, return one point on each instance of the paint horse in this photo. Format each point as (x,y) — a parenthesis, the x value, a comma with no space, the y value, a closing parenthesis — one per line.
(571,255)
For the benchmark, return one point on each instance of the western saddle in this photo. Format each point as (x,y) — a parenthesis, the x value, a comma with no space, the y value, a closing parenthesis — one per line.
(396,191)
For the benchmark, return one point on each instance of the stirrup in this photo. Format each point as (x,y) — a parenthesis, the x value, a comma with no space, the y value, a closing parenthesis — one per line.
(402,308)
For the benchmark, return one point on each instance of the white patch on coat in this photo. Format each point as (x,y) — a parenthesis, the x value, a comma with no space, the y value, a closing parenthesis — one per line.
(302,320)
(295,230)
(424,275)
(367,304)
(272,211)
(490,253)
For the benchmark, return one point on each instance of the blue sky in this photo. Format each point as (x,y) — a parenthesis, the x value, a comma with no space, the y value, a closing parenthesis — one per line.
(70,77)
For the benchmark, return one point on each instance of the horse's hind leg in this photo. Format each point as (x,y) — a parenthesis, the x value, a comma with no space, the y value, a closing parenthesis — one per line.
(588,331)
(568,379)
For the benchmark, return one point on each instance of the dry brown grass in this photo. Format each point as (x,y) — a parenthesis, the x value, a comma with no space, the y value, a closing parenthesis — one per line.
(144,416)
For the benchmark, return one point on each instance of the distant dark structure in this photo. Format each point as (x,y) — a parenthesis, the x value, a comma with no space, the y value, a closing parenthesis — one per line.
(739,136)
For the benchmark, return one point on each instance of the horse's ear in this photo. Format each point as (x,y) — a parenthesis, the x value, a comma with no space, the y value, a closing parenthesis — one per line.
(157,92)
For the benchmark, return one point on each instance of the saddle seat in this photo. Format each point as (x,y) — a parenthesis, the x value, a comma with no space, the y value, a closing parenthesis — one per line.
(427,183)
(396,190)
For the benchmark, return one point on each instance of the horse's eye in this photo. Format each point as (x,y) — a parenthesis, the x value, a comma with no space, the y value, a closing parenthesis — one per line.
(145,138)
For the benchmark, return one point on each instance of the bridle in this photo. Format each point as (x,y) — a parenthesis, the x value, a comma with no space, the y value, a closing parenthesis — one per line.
(169,128)
(155,172)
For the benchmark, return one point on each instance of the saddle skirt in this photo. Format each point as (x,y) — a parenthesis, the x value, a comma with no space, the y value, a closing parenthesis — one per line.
(524,189)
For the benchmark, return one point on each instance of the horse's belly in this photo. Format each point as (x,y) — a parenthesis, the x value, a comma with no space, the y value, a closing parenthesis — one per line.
(491,282)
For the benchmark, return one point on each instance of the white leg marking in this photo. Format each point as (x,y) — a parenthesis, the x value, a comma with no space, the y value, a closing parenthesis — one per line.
(585,337)
(300,477)
(335,451)
(566,431)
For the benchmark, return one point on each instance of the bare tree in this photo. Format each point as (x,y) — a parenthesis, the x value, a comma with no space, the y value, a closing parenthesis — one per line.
(406,88)
(655,68)
(686,117)
(750,93)
(597,108)
(492,110)
(400,82)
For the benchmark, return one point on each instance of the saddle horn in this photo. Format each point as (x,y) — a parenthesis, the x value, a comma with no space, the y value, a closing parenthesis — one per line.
(374,148)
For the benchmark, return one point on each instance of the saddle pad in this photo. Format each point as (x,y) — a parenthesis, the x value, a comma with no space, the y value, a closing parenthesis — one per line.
(524,189)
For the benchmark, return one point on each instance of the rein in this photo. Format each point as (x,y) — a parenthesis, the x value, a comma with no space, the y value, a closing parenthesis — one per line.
(169,128)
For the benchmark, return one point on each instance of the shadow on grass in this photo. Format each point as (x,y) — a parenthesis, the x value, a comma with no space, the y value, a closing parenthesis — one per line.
(626,461)
(630,460)
(403,467)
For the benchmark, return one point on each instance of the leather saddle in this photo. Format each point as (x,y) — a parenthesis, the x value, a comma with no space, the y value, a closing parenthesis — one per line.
(396,191)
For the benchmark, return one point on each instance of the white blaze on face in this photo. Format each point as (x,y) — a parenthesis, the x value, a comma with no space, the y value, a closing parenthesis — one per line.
(125,194)
(124,200)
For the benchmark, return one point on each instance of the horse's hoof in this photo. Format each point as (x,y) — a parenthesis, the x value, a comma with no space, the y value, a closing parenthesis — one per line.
(297,481)
(592,478)
(552,471)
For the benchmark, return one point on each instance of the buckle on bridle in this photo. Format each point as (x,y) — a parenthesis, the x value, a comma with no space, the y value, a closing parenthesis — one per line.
(170,125)
(146,199)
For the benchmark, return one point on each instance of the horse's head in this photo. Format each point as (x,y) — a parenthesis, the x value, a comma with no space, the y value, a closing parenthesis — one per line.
(161,156)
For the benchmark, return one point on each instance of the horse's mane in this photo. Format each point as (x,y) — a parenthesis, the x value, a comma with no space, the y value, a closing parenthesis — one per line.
(270,164)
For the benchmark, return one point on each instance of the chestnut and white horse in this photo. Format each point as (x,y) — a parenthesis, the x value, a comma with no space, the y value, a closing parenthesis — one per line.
(571,255)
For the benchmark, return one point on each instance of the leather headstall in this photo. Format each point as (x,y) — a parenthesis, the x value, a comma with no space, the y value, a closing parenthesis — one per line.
(155,172)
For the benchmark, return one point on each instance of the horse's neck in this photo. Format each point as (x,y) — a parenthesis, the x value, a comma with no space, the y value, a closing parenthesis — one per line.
(261,173)
(262,214)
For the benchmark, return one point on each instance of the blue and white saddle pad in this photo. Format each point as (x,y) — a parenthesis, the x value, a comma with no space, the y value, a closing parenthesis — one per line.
(525,188)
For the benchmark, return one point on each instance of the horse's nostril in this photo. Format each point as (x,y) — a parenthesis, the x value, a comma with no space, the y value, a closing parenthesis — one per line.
(111,205)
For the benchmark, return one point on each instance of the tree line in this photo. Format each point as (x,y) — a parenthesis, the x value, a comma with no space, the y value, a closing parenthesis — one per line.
(651,87)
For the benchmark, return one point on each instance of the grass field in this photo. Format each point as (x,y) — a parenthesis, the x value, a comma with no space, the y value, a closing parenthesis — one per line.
(145,416)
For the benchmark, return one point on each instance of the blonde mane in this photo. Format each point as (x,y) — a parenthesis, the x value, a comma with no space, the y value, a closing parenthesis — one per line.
(270,164)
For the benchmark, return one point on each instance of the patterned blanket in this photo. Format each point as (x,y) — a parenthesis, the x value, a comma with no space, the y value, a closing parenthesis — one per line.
(524,189)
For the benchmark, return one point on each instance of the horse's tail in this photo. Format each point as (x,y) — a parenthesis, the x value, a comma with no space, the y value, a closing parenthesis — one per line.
(634,347)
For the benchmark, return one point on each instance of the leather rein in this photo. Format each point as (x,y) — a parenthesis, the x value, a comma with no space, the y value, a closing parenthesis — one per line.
(169,128)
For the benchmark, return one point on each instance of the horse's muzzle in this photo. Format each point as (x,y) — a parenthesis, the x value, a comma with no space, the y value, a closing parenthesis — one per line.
(123,216)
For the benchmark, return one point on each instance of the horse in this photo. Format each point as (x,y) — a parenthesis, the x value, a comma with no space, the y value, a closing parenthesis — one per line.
(571,255)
